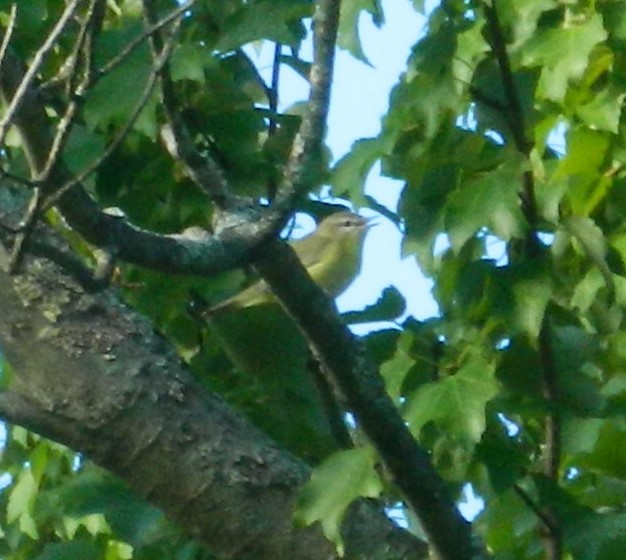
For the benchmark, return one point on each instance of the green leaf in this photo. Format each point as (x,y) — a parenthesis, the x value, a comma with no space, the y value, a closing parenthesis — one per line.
(94,492)
(116,95)
(604,458)
(6,373)
(563,53)
(591,238)
(597,536)
(523,16)
(580,435)
(503,455)
(509,526)
(456,403)
(76,550)
(21,503)
(490,200)
(83,148)
(390,305)
(334,485)
(276,20)
(523,293)
(349,174)
(604,110)
(574,350)
(188,63)
(22,495)
(348,33)
(395,370)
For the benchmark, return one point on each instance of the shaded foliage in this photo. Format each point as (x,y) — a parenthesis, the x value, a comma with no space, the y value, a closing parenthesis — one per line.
(506,128)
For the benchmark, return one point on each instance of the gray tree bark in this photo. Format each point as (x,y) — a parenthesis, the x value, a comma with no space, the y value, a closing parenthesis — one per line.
(92,374)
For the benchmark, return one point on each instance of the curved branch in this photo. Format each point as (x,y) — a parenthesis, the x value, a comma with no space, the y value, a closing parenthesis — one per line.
(104,383)
(168,253)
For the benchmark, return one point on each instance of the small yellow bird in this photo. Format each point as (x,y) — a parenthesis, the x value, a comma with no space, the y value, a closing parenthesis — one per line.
(331,254)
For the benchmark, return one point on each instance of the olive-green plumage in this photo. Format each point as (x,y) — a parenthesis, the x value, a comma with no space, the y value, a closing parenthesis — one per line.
(331,254)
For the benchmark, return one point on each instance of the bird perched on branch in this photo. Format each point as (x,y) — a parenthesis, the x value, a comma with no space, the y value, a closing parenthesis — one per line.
(332,255)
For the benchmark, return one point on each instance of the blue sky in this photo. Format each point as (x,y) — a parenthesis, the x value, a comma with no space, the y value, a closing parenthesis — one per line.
(360,97)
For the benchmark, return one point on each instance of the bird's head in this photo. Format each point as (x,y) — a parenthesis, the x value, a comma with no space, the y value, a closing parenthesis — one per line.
(344,225)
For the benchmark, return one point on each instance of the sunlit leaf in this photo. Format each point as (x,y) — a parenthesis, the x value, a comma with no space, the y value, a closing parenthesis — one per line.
(334,485)
(457,403)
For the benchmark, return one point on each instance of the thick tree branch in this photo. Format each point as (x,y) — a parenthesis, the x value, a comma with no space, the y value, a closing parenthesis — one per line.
(98,379)
(552,438)
(345,361)
(167,253)
(236,234)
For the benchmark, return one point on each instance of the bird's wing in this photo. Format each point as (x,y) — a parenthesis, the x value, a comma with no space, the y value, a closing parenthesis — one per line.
(309,250)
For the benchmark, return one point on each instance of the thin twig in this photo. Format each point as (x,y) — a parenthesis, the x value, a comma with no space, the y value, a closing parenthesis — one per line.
(145,97)
(307,145)
(8,33)
(549,377)
(149,32)
(30,74)
(71,65)
(272,187)
(514,114)
(273,89)
(86,38)
(25,230)
(534,507)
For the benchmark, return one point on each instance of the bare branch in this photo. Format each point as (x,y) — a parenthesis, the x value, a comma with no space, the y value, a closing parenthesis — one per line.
(86,37)
(514,114)
(8,33)
(273,89)
(339,353)
(143,100)
(26,228)
(307,145)
(89,28)
(29,76)
(273,107)
(534,507)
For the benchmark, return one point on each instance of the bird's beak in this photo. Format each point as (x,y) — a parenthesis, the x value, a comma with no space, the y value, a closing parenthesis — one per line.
(369,222)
